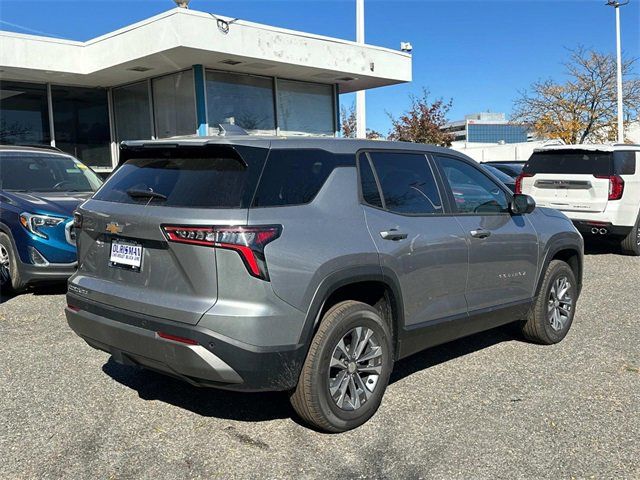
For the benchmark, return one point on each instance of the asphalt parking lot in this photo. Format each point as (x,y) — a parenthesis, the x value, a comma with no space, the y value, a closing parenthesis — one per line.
(489,406)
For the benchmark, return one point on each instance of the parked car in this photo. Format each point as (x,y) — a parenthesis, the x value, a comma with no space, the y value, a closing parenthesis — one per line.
(39,190)
(509,181)
(511,168)
(597,186)
(310,265)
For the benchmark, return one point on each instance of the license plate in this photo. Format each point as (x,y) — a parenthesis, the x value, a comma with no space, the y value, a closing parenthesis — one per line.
(125,254)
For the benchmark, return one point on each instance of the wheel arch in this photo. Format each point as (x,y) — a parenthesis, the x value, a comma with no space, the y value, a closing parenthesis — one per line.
(366,284)
(567,250)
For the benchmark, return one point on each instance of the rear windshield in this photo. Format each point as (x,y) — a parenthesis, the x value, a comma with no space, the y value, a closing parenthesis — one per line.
(219,177)
(582,162)
(37,172)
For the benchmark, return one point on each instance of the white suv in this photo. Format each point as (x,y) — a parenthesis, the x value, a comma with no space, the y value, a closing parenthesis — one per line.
(596,186)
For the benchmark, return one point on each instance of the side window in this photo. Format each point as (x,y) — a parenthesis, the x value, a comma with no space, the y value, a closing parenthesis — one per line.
(473,191)
(407,182)
(370,193)
(295,176)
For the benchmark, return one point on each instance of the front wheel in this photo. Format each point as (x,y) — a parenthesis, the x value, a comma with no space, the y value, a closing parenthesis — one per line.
(9,274)
(552,315)
(346,370)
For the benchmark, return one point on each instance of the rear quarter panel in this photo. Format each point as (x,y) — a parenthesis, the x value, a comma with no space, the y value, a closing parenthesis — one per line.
(318,239)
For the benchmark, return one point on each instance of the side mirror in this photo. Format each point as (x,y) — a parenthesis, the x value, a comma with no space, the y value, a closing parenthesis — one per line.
(522,204)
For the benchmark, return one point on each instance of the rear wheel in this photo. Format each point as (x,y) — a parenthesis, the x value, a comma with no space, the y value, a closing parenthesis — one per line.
(552,315)
(9,273)
(631,243)
(346,370)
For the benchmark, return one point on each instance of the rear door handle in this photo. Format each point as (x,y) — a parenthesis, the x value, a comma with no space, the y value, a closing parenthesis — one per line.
(480,233)
(393,234)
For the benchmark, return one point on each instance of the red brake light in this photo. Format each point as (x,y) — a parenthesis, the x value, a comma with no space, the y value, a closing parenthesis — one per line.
(616,186)
(519,178)
(249,242)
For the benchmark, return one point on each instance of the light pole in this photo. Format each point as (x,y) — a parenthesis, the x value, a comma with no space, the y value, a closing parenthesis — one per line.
(617,4)
(361,112)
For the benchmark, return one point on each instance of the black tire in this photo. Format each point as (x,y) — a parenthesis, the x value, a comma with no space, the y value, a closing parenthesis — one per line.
(631,243)
(312,399)
(541,326)
(11,282)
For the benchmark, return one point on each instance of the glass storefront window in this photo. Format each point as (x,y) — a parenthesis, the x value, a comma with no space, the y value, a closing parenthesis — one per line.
(174,105)
(243,100)
(131,112)
(24,114)
(81,123)
(305,108)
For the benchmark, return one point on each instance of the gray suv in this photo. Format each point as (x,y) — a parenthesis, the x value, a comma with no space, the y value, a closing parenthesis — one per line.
(310,265)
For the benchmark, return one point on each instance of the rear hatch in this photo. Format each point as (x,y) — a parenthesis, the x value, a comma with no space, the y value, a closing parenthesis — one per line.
(125,259)
(572,180)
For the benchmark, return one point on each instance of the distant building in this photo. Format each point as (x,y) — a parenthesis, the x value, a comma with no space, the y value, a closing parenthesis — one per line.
(486,127)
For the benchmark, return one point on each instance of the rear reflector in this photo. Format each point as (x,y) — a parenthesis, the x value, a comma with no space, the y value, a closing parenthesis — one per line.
(249,242)
(72,308)
(176,338)
(616,186)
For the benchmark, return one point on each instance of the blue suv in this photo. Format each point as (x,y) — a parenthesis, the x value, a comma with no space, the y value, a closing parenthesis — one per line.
(39,190)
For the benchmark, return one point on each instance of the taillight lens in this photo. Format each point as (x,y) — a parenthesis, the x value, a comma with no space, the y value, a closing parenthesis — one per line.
(249,242)
(616,186)
(519,178)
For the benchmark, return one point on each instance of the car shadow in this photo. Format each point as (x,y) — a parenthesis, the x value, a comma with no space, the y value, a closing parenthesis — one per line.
(49,289)
(264,406)
(602,247)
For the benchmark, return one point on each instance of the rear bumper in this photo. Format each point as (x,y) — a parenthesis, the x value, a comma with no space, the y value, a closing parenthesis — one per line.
(586,228)
(213,361)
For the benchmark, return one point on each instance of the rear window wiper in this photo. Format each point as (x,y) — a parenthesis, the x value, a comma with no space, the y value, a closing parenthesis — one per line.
(139,193)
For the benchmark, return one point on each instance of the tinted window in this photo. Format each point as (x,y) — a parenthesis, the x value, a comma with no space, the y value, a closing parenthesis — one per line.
(624,163)
(45,173)
(294,177)
(408,185)
(570,161)
(370,193)
(217,177)
(473,191)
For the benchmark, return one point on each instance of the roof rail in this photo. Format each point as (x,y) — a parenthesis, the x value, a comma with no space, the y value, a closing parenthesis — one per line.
(33,145)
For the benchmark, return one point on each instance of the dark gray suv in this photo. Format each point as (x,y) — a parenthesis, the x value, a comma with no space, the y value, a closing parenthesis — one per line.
(310,265)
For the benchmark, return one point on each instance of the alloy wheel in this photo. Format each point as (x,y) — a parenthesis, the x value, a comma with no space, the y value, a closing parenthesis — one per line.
(560,303)
(355,367)
(5,266)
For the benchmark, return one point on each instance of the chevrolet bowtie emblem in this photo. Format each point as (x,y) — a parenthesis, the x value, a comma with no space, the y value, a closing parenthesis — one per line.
(113,227)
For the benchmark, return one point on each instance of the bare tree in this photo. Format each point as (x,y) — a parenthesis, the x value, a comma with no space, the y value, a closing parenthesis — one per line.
(584,107)
(348,124)
(423,122)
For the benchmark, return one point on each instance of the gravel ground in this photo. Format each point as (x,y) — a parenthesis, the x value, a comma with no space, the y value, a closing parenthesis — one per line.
(489,406)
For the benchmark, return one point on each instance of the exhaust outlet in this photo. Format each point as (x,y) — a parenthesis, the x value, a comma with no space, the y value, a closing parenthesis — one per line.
(595,231)
(603,231)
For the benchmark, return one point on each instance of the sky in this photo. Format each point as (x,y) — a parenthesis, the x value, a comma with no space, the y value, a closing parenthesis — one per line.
(478,53)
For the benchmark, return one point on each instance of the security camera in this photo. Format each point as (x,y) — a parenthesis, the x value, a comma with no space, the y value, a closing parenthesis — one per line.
(406,47)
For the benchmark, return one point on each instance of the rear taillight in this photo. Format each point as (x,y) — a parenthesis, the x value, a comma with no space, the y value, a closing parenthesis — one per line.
(616,186)
(518,188)
(249,242)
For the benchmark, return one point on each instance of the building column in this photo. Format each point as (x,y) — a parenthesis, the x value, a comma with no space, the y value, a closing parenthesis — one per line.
(201,100)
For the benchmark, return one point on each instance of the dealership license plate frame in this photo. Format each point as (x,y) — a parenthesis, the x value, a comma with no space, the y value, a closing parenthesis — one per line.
(134,265)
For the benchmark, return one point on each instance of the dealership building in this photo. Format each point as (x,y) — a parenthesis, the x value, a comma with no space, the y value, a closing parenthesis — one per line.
(179,73)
